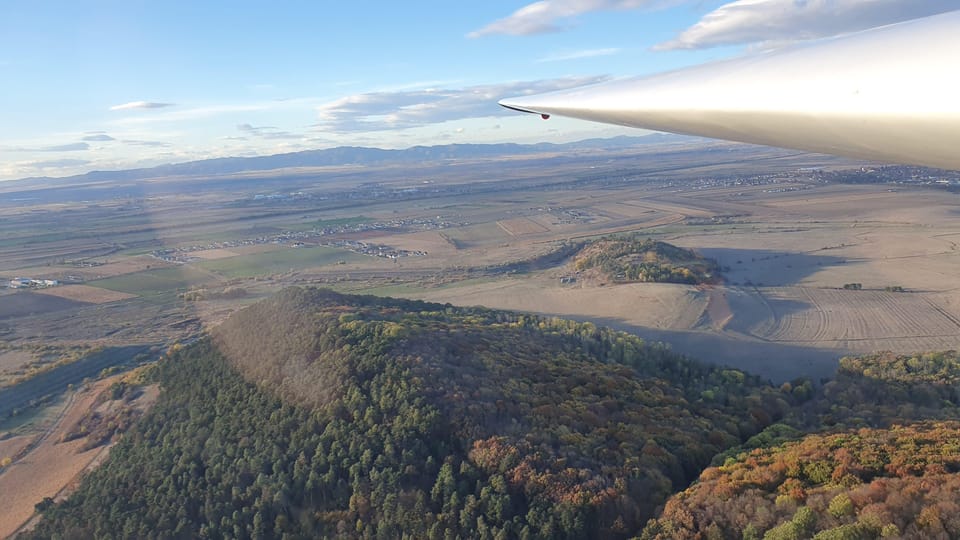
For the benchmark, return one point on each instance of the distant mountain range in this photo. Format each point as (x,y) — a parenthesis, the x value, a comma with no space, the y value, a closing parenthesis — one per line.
(362,156)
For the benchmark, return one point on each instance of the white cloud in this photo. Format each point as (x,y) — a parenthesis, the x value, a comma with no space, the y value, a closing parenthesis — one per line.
(183,114)
(148,144)
(54,163)
(267,132)
(380,111)
(98,137)
(140,105)
(752,21)
(577,55)
(69,147)
(254,130)
(541,17)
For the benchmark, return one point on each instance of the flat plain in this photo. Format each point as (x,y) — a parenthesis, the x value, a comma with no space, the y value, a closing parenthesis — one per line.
(787,233)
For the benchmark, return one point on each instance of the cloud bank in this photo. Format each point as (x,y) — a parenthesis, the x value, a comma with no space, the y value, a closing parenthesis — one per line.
(69,147)
(140,105)
(734,23)
(380,111)
(98,137)
(267,132)
(55,163)
(752,21)
(542,17)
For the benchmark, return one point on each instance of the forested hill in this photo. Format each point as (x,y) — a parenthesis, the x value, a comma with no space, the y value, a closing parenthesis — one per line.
(314,414)
(629,258)
(883,462)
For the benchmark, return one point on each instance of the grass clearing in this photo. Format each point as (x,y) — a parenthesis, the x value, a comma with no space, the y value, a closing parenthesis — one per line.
(86,293)
(279,261)
(153,282)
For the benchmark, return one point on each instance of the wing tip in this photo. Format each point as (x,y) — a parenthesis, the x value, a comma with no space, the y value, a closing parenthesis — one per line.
(513,107)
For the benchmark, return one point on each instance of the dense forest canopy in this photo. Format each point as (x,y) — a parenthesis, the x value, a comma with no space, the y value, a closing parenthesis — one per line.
(878,390)
(315,414)
(866,483)
(878,466)
(632,258)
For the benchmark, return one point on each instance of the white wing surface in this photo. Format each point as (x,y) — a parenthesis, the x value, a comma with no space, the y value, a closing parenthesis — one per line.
(890,94)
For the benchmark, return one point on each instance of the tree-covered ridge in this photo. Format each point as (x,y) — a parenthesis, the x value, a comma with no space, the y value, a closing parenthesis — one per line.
(869,395)
(881,389)
(634,258)
(940,368)
(304,334)
(391,418)
(868,483)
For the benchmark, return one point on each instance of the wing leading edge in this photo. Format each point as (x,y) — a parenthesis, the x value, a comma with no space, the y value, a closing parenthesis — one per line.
(890,94)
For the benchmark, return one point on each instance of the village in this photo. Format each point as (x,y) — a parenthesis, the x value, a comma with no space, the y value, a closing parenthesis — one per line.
(31,283)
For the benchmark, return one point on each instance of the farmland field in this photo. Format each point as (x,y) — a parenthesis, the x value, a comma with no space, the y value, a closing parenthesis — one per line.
(829,315)
(214,254)
(283,260)
(26,303)
(86,293)
(151,282)
(521,226)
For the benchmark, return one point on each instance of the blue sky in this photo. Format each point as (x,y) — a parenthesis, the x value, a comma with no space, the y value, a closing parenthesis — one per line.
(106,85)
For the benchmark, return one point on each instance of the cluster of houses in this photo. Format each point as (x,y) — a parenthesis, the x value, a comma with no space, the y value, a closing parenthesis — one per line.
(374,250)
(182,254)
(30,283)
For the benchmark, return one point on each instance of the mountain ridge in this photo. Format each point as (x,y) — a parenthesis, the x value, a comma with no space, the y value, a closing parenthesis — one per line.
(355,155)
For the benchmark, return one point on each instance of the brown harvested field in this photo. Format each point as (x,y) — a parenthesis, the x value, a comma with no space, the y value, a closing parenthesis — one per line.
(86,293)
(660,221)
(544,220)
(429,241)
(34,255)
(657,305)
(743,326)
(120,267)
(52,465)
(804,315)
(521,226)
(481,234)
(27,303)
(617,210)
(840,199)
(214,254)
(693,209)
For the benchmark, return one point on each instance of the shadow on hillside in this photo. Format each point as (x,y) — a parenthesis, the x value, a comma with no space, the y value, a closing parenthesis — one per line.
(767,267)
(774,361)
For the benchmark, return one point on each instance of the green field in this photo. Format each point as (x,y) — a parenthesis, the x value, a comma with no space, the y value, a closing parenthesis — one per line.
(152,282)
(282,260)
